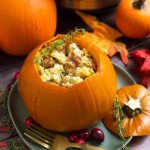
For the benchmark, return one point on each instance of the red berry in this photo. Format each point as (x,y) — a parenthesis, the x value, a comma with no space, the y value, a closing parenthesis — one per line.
(29,121)
(9,86)
(85,135)
(16,76)
(80,141)
(73,137)
(97,134)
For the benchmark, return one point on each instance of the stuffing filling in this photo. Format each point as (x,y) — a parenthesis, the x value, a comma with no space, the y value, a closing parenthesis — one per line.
(64,64)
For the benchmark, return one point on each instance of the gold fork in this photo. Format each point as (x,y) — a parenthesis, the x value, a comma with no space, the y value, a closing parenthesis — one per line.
(53,141)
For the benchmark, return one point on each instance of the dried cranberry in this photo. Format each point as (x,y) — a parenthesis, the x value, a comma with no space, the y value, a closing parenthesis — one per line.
(97,134)
(29,121)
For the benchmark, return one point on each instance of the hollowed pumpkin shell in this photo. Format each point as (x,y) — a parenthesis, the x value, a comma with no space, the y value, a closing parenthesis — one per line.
(74,108)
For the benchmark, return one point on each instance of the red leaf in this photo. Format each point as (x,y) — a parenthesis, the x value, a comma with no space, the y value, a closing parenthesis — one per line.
(146,80)
(145,67)
(142,59)
(139,55)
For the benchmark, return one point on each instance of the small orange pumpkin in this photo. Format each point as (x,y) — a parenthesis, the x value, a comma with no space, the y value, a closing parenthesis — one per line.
(132,18)
(135,103)
(24,24)
(64,109)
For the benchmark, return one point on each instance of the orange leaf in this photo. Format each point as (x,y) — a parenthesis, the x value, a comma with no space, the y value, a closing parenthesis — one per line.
(100,27)
(104,37)
(101,43)
(121,48)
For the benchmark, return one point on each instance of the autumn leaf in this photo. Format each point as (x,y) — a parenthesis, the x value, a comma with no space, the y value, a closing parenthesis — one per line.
(90,40)
(142,58)
(100,27)
(104,36)
(112,47)
(139,55)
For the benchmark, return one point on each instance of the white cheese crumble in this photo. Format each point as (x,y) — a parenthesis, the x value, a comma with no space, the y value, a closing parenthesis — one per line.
(73,47)
(57,69)
(84,71)
(60,56)
(133,104)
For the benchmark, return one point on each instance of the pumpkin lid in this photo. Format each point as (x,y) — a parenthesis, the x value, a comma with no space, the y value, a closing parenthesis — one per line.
(133,102)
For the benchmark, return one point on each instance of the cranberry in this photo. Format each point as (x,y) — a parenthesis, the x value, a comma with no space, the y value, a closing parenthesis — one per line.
(80,141)
(16,76)
(29,121)
(85,135)
(9,86)
(73,137)
(97,134)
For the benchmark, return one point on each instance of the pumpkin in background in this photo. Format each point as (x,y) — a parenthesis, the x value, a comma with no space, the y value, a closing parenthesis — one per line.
(133,18)
(137,119)
(24,24)
(65,109)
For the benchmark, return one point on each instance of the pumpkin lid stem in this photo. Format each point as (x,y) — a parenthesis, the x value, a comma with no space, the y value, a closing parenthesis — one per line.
(132,108)
(138,4)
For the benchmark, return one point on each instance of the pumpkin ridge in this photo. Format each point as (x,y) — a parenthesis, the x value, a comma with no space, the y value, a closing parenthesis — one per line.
(130,125)
(76,91)
(136,123)
(142,124)
(95,101)
(35,107)
(93,97)
(145,113)
(107,96)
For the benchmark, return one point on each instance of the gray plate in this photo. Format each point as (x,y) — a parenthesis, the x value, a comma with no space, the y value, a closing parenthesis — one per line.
(18,114)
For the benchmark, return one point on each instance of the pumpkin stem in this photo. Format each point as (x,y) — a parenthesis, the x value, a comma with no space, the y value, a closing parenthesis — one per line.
(132,108)
(138,4)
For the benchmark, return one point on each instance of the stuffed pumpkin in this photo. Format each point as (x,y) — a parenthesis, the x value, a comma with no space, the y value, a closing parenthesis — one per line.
(66,86)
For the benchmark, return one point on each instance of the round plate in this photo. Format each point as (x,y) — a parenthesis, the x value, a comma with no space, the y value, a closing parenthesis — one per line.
(18,114)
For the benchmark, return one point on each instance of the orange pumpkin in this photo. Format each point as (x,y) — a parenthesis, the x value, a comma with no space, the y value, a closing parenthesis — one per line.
(77,107)
(24,24)
(132,18)
(135,103)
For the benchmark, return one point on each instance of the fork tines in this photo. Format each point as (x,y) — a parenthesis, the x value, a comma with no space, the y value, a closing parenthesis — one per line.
(40,136)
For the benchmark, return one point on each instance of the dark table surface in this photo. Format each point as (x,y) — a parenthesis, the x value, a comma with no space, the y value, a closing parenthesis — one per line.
(68,20)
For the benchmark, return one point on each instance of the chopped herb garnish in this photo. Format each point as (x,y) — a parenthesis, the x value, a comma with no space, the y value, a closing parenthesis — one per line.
(15,144)
(56,43)
(72,34)
(47,48)
(3,95)
(3,99)
(37,60)
(125,148)
(45,51)
(119,117)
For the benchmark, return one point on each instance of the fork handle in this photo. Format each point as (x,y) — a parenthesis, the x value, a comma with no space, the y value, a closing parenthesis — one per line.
(62,143)
(83,147)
